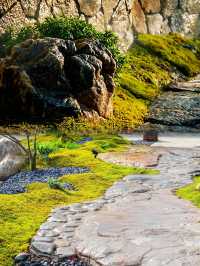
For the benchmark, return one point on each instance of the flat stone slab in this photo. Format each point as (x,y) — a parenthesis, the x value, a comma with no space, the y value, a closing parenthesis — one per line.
(138,222)
(138,156)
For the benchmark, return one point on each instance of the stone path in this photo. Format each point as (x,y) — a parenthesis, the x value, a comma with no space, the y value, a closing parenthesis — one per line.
(138,221)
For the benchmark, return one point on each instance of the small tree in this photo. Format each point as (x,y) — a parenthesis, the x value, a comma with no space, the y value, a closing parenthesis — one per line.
(31,132)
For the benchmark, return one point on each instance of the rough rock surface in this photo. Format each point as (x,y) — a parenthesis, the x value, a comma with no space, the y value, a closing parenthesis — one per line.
(125,17)
(53,77)
(180,106)
(12,158)
(137,156)
(137,222)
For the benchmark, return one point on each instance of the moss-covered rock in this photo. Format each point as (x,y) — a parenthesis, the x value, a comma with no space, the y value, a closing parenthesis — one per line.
(152,63)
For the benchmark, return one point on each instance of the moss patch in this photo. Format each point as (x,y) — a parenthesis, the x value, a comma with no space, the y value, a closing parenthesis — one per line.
(21,215)
(151,64)
(191,192)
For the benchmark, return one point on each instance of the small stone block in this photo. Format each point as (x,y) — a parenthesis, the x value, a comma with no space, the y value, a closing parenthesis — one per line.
(45,248)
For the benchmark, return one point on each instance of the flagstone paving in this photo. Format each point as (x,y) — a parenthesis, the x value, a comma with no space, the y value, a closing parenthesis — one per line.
(139,221)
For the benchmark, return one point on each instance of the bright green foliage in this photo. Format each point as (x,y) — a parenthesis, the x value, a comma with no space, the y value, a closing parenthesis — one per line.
(51,146)
(55,184)
(21,215)
(75,28)
(65,28)
(191,192)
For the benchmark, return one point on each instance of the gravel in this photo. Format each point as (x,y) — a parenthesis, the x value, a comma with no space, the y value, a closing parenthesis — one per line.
(47,261)
(84,140)
(18,182)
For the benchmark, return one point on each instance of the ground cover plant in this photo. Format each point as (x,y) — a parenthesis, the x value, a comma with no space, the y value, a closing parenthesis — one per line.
(22,214)
(191,192)
(151,64)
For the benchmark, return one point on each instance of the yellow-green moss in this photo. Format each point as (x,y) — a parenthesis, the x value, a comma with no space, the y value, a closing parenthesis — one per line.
(149,67)
(191,192)
(178,51)
(21,215)
(129,111)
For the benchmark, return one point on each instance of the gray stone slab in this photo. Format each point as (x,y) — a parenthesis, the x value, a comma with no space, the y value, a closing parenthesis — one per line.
(139,221)
(44,248)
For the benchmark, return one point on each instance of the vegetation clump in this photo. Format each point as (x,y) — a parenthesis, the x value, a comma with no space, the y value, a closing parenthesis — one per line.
(191,192)
(67,28)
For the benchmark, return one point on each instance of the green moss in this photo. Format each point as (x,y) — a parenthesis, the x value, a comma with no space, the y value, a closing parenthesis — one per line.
(174,49)
(129,111)
(21,215)
(191,192)
(150,66)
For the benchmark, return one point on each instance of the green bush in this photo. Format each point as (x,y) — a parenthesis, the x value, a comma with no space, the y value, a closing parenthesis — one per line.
(67,28)
(64,28)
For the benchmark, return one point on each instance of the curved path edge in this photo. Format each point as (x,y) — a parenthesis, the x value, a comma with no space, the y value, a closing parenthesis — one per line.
(139,221)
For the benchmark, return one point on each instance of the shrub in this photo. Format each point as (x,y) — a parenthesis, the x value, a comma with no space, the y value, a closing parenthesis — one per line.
(67,28)
(55,184)
(64,28)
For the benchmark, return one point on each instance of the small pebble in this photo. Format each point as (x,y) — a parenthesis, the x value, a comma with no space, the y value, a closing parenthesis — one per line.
(33,260)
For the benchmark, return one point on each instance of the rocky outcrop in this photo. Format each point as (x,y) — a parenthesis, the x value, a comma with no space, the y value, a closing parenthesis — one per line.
(179,106)
(53,77)
(12,158)
(125,17)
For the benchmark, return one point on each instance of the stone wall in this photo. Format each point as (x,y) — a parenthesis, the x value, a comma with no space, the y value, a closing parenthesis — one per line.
(125,17)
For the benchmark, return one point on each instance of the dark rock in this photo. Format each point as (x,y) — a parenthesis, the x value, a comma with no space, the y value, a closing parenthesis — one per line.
(21,257)
(176,109)
(150,136)
(54,78)
(34,260)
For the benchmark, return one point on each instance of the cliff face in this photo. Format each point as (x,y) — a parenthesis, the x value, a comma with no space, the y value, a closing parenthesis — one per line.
(125,17)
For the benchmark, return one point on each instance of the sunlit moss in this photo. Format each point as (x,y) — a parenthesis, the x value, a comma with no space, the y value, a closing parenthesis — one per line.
(191,192)
(150,66)
(21,215)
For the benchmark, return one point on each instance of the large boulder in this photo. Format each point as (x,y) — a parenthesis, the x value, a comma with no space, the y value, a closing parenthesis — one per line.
(51,77)
(179,106)
(12,158)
